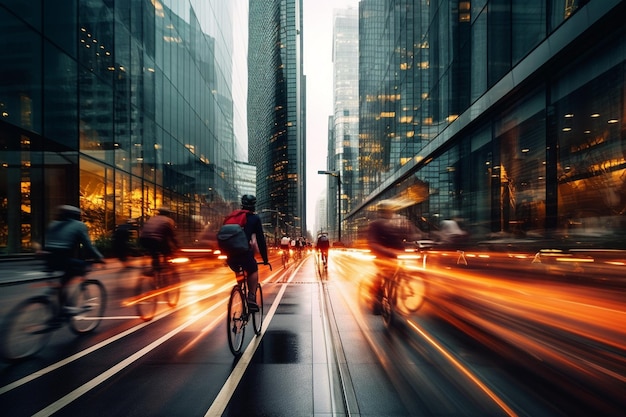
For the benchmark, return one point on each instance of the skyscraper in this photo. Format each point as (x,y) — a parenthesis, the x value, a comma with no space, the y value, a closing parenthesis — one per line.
(276,110)
(344,138)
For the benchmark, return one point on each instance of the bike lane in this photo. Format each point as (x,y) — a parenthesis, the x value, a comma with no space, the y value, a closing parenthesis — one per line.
(299,367)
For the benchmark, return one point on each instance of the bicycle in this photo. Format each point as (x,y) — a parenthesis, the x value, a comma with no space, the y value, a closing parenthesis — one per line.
(238,314)
(321,262)
(403,293)
(163,279)
(285,257)
(28,327)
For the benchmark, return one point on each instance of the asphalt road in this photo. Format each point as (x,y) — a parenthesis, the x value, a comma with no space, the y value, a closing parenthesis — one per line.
(481,345)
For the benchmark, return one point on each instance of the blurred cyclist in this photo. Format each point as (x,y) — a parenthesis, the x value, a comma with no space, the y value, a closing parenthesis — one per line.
(158,236)
(68,243)
(246,261)
(322,246)
(386,237)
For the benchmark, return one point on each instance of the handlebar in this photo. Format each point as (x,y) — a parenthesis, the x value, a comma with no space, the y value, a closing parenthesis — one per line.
(263,263)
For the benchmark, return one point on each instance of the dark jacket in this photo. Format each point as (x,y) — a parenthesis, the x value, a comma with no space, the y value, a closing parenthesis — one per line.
(255,226)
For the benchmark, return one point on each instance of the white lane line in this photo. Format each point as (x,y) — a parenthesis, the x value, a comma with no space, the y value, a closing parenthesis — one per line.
(104,343)
(83,389)
(228,389)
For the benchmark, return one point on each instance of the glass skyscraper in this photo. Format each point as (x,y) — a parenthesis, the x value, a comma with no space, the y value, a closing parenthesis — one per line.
(116,107)
(276,112)
(343,151)
(507,116)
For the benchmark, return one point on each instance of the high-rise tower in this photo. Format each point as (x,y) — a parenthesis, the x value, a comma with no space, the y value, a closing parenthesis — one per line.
(276,122)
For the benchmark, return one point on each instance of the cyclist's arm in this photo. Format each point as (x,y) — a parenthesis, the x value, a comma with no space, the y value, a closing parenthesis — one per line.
(260,236)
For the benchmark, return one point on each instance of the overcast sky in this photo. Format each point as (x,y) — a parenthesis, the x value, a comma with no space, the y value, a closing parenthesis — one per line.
(318,68)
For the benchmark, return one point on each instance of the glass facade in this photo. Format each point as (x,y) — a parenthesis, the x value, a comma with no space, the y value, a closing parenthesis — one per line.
(116,107)
(276,111)
(521,140)
(343,156)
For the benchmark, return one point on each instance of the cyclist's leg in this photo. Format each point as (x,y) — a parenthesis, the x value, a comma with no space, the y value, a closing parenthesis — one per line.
(250,266)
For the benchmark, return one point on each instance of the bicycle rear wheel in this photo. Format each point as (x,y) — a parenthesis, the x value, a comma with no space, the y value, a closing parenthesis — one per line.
(388,301)
(411,292)
(235,321)
(146,298)
(257,317)
(171,279)
(90,297)
(27,328)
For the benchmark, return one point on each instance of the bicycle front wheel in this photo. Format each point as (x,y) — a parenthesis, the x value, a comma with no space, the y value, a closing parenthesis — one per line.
(146,298)
(91,299)
(235,321)
(257,317)
(27,328)
(172,282)
(411,292)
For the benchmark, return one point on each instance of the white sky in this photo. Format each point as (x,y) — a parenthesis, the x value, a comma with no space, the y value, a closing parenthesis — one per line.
(318,68)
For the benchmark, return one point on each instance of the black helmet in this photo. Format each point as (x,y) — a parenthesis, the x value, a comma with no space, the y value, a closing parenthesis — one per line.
(69,212)
(248,201)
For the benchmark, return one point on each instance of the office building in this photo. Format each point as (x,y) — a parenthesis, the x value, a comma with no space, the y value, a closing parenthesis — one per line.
(276,112)
(343,151)
(513,113)
(118,108)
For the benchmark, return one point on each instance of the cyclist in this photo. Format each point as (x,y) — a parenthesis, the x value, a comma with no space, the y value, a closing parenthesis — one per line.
(158,236)
(67,238)
(284,247)
(246,261)
(386,238)
(322,246)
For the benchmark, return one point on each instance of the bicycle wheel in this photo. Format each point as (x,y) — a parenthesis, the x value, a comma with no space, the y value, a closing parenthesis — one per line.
(146,298)
(257,317)
(90,297)
(27,328)
(171,279)
(411,292)
(235,321)
(387,301)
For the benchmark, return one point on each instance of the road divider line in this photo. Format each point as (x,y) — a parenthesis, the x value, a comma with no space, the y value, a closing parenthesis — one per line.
(83,389)
(228,389)
(104,343)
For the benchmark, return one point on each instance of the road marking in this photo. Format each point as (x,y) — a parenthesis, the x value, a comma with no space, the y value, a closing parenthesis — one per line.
(104,343)
(228,389)
(83,389)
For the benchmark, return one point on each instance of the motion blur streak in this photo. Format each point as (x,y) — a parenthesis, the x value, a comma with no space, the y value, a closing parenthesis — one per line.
(463,369)
(555,319)
(571,324)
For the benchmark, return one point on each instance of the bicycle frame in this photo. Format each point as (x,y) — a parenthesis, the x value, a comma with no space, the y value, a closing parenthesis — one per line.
(404,292)
(238,313)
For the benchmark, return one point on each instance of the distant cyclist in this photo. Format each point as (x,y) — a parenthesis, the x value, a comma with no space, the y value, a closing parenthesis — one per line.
(158,236)
(323,244)
(68,244)
(246,261)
